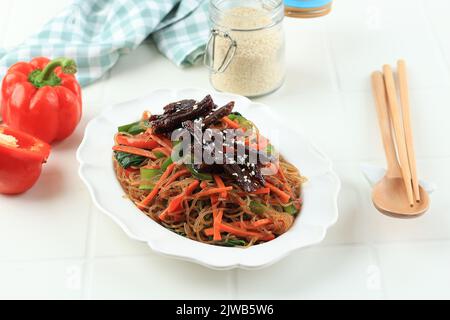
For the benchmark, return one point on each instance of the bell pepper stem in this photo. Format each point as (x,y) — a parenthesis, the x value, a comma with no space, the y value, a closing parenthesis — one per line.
(68,66)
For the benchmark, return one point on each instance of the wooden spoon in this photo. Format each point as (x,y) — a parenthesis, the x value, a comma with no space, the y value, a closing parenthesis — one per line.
(390,196)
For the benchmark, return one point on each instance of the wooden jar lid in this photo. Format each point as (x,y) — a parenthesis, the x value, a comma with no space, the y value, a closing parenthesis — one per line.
(307,8)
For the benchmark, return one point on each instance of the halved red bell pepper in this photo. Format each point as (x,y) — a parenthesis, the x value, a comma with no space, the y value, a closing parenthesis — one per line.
(42,98)
(21,159)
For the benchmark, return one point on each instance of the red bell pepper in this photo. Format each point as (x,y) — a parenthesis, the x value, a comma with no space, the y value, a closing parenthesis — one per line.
(42,98)
(21,159)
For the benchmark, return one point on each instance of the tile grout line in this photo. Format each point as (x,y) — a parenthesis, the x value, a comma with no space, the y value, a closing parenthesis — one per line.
(381,159)
(376,257)
(89,254)
(319,246)
(233,284)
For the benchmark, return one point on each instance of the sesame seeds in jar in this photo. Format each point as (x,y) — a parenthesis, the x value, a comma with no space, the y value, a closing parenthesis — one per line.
(246,50)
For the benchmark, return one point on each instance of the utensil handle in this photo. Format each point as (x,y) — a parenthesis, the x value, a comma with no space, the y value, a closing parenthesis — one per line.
(379,93)
(398,129)
(405,105)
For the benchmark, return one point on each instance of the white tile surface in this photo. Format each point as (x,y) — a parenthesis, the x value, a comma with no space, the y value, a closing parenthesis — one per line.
(307,55)
(319,273)
(55,244)
(352,226)
(41,280)
(155,277)
(110,240)
(416,270)
(436,12)
(374,35)
(429,108)
(48,221)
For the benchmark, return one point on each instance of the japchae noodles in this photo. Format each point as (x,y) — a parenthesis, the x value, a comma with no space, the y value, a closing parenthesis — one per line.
(230,203)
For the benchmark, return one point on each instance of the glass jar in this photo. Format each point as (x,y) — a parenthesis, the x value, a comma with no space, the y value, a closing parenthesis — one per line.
(246,50)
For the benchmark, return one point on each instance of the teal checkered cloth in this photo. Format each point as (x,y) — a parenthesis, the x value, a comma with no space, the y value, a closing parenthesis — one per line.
(96,32)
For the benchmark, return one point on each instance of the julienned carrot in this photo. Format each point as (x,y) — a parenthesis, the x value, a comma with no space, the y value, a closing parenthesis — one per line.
(230,123)
(178,174)
(136,151)
(262,142)
(211,191)
(176,202)
(214,199)
(240,232)
(158,185)
(283,177)
(140,141)
(220,184)
(284,197)
(252,225)
(146,115)
(203,184)
(163,214)
(261,191)
(164,142)
(217,223)
(261,223)
(163,150)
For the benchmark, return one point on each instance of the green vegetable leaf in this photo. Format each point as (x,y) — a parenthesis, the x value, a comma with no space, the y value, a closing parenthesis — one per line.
(257,207)
(135,127)
(291,209)
(148,178)
(166,163)
(270,150)
(244,122)
(159,154)
(198,175)
(127,160)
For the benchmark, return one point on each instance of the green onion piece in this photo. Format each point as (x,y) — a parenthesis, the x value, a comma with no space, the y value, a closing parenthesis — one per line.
(232,243)
(147,174)
(257,207)
(126,160)
(166,163)
(291,209)
(133,128)
(148,187)
(159,155)
(244,122)
(270,150)
(127,127)
(198,175)
(148,178)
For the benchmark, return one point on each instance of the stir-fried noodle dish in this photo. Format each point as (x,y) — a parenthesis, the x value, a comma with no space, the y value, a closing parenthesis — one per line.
(207,173)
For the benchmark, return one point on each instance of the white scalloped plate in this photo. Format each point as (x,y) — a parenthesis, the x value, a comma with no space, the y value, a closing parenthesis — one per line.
(320,193)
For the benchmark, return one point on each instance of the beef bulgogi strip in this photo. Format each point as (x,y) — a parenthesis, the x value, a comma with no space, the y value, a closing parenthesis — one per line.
(166,123)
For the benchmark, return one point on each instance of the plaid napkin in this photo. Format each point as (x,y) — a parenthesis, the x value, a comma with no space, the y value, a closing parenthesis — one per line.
(96,32)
